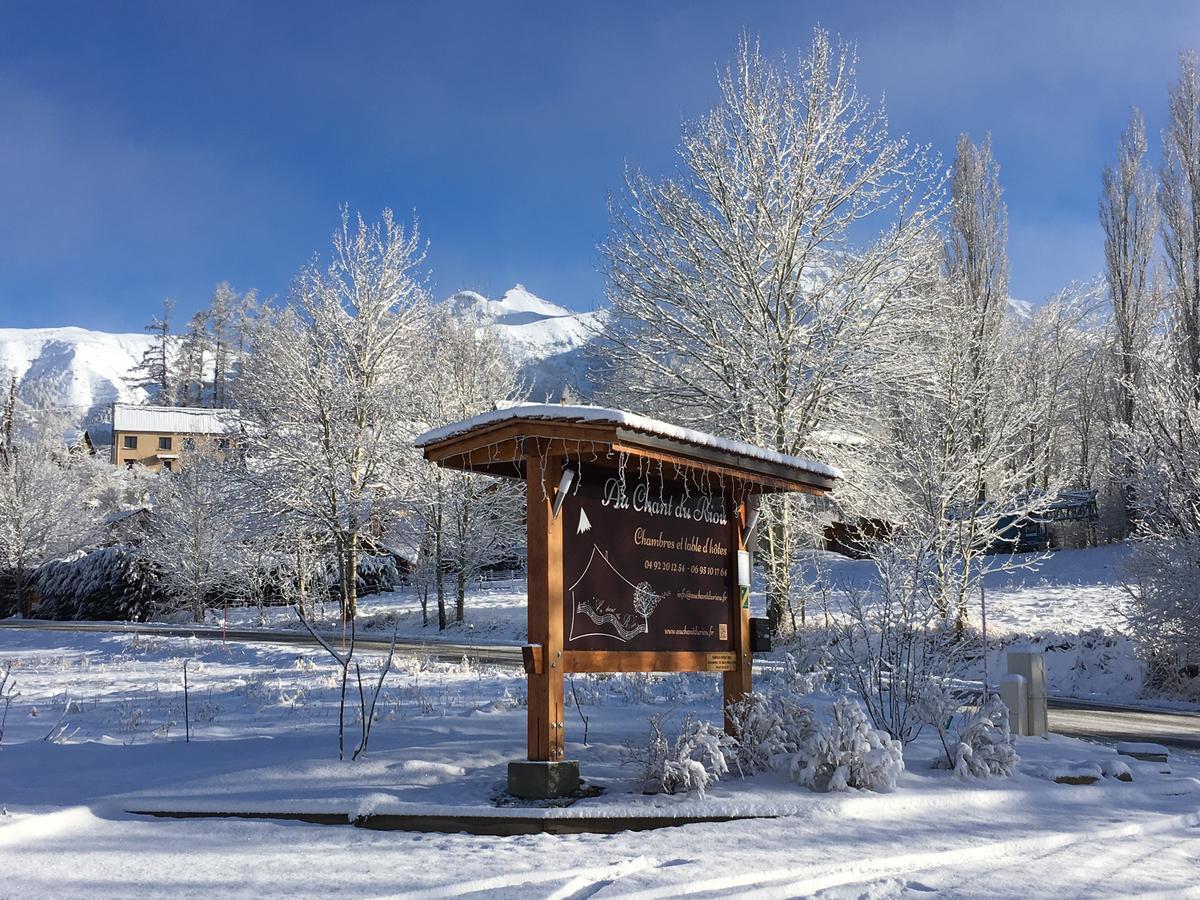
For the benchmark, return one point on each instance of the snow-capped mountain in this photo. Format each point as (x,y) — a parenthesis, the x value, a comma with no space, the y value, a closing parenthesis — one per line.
(547,340)
(75,370)
(82,372)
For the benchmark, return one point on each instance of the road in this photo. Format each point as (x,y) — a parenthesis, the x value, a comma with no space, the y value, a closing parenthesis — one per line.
(1102,722)
(1076,718)
(448,651)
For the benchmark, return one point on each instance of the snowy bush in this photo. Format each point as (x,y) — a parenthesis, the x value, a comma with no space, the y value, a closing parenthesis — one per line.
(696,758)
(847,752)
(758,733)
(895,640)
(807,663)
(767,728)
(985,745)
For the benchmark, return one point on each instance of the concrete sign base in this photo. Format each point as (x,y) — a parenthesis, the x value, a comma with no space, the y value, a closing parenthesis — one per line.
(537,780)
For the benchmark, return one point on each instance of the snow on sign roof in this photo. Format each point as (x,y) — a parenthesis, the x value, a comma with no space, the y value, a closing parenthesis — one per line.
(597,415)
(174,419)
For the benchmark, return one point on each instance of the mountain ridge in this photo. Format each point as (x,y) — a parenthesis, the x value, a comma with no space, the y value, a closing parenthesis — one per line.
(81,372)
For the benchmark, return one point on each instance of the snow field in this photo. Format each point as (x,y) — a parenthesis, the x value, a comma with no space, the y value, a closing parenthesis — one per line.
(443,739)
(1068,605)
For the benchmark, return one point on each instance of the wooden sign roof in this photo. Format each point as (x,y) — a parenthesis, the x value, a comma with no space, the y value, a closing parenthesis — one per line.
(498,442)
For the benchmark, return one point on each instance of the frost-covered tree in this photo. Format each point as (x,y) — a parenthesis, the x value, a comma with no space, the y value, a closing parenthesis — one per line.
(747,291)
(45,505)
(1129,218)
(1164,609)
(328,387)
(976,268)
(1057,352)
(1179,205)
(222,309)
(155,372)
(197,529)
(695,759)
(8,416)
(193,357)
(465,521)
(846,752)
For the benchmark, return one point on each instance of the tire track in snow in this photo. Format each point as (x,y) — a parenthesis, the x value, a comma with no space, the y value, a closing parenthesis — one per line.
(805,880)
(575,881)
(1093,880)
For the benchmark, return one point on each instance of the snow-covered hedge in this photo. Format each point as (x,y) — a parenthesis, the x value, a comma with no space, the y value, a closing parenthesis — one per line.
(106,583)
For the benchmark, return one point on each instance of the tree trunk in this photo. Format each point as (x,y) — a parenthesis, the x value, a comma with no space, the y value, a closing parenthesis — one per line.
(350,607)
(301,584)
(779,574)
(24,601)
(437,579)
(461,599)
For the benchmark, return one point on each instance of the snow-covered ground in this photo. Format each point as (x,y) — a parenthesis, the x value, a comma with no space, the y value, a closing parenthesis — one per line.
(1066,591)
(264,739)
(1066,603)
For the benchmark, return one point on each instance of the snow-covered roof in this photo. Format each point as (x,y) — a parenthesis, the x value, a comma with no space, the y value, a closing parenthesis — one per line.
(598,415)
(174,419)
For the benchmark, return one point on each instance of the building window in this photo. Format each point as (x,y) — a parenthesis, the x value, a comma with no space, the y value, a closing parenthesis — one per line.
(129,464)
(189,444)
(130,441)
(223,443)
(167,464)
(164,443)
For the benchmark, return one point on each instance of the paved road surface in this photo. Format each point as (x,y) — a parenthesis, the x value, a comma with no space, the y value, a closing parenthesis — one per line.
(1077,718)
(1101,722)
(448,651)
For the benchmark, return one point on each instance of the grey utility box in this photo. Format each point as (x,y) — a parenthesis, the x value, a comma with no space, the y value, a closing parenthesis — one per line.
(1030,664)
(1014,693)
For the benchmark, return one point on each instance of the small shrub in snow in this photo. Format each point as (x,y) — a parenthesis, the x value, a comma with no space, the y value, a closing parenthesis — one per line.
(758,733)
(847,752)
(689,763)
(808,666)
(985,746)
(766,728)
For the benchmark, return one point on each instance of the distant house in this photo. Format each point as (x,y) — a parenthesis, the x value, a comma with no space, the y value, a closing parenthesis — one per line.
(156,437)
(95,440)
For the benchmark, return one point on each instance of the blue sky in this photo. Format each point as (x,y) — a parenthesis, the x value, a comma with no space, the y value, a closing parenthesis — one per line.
(151,150)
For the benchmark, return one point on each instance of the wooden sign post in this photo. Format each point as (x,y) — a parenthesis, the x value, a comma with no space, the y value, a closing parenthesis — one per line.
(636,552)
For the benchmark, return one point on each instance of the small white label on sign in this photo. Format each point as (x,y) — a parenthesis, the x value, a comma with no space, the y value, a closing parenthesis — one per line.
(743,568)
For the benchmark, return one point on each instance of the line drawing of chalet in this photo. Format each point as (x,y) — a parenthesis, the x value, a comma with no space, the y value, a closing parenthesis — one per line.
(626,626)
(155,437)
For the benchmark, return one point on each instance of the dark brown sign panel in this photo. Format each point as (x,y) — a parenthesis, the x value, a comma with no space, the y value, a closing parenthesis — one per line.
(646,566)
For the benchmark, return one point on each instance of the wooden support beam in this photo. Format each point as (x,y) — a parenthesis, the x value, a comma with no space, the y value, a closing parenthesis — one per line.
(532,659)
(545,609)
